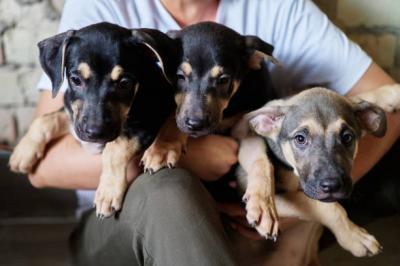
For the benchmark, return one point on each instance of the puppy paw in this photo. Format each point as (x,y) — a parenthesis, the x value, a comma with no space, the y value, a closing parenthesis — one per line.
(262,215)
(26,155)
(162,154)
(359,242)
(109,196)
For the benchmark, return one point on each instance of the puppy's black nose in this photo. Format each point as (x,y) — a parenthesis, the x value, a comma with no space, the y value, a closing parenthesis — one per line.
(94,132)
(194,124)
(330,185)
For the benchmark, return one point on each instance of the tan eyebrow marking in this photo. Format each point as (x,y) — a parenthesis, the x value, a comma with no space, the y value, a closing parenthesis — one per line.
(84,70)
(216,71)
(186,68)
(314,127)
(116,72)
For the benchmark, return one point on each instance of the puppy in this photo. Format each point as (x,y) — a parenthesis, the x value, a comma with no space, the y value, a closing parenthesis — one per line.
(221,74)
(313,137)
(119,95)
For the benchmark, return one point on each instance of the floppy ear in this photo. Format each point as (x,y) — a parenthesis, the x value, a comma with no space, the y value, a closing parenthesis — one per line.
(371,117)
(174,34)
(258,51)
(52,58)
(165,49)
(265,121)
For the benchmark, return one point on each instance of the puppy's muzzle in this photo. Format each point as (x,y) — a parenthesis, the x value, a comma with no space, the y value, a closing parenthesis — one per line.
(328,189)
(196,124)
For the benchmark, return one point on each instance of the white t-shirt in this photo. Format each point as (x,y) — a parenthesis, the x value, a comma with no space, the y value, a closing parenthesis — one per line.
(311,49)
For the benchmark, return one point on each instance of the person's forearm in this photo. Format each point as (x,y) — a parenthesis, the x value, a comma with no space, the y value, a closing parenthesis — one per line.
(67,165)
(372,149)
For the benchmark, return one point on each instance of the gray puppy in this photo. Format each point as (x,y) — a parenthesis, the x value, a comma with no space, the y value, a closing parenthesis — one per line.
(314,138)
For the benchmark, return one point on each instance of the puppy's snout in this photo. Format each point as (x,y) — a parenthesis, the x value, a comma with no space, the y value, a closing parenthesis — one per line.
(94,131)
(195,123)
(330,185)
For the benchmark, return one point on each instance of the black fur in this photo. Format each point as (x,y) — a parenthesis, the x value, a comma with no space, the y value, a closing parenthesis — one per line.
(204,46)
(103,46)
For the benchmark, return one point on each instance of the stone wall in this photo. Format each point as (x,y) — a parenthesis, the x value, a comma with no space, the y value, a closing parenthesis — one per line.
(375,25)
(22,24)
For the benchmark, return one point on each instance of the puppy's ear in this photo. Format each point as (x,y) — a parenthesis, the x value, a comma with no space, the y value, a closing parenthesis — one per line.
(371,117)
(265,121)
(174,34)
(165,49)
(52,53)
(258,51)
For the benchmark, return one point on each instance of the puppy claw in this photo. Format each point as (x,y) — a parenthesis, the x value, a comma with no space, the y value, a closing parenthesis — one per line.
(162,154)
(245,198)
(261,214)
(359,242)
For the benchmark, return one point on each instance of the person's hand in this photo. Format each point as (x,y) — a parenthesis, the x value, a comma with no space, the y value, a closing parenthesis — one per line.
(237,214)
(210,157)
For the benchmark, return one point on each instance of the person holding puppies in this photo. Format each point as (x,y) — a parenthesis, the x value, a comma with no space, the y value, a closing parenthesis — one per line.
(174,221)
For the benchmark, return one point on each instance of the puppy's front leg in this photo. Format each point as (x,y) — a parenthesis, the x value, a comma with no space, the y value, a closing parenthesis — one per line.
(166,149)
(113,181)
(332,215)
(32,146)
(260,187)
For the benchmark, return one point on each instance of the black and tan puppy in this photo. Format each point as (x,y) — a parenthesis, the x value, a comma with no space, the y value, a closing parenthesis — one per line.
(118,97)
(221,74)
(313,137)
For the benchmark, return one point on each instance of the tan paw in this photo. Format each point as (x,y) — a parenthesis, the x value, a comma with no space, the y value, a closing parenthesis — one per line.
(359,242)
(109,196)
(261,214)
(162,154)
(26,155)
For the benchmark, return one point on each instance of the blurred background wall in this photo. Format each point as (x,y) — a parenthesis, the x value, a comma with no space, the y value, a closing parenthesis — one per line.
(375,25)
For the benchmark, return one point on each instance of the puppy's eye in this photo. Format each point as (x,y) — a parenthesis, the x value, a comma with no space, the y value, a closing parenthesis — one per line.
(125,84)
(75,80)
(180,76)
(347,137)
(300,139)
(223,79)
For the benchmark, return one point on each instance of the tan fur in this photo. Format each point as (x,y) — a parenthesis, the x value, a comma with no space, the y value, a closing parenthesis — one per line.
(167,148)
(116,72)
(386,97)
(235,84)
(76,106)
(84,70)
(179,98)
(260,188)
(32,146)
(258,57)
(229,122)
(216,71)
(332,215)
(312,125)
(289,156)
(186,68)
(113,181)
(223,103)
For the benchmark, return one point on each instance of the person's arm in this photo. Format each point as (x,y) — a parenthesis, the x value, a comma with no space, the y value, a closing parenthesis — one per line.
(67,165)
(371,149)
